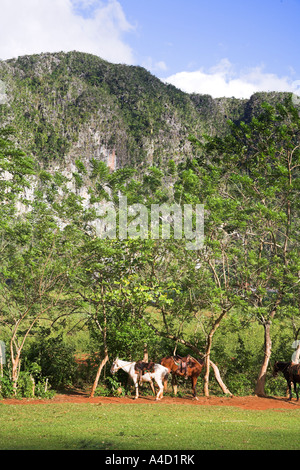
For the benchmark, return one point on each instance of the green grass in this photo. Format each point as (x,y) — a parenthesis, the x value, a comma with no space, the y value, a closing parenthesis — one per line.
(145,427)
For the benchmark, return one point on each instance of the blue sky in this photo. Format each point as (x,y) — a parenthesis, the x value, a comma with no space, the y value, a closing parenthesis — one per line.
(225,48)
(200,33)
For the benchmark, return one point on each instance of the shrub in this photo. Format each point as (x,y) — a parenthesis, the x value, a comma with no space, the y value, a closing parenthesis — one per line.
(56,360)
(111,387)
(6,387)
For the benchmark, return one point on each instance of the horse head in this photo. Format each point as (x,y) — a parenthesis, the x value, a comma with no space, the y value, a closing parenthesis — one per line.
(115,366)
(275,369)
(280,366)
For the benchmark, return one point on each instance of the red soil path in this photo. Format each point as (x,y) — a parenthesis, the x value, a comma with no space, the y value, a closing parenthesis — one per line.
(249,402)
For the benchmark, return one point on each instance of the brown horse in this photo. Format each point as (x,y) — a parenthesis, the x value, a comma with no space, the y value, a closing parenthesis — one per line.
(185,367)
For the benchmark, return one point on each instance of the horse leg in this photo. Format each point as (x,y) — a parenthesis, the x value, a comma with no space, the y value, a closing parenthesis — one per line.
(135,380)
(152,387)
(160,389)
(165,380)
(296,391)
(174,384)
(194,383)
(290,389)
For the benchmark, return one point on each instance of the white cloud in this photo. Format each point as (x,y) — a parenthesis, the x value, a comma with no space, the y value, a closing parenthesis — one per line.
(223,81)
(34,26)
(161,65)
(153,67)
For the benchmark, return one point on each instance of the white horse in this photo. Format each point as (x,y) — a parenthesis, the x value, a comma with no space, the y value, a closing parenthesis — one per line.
(159,375)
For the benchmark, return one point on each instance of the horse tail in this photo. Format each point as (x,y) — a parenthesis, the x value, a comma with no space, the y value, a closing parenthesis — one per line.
(165,375)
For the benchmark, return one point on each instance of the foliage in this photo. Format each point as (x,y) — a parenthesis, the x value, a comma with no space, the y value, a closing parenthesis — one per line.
(54,358)
(15,168)
(31,384)
(6,386)
(54,99)
(111,387)
(126,293)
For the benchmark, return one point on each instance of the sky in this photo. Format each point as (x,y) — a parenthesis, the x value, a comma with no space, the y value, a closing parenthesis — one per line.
(217,47)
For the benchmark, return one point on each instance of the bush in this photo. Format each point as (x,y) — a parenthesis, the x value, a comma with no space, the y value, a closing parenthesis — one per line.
(30,384)
(111,387)
(6,387)
(276,386)
(56,360)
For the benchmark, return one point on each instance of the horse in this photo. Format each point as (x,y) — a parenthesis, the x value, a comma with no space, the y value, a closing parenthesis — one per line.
(183,366)
(291,373)
(160,374)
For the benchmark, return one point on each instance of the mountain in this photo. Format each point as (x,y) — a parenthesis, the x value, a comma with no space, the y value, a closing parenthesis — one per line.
(70,106)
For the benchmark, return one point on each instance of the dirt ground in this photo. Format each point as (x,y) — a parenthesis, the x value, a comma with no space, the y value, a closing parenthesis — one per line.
(249,402)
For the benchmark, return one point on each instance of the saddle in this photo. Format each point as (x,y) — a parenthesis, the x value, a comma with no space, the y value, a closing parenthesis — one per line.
(143,367)
(182,363)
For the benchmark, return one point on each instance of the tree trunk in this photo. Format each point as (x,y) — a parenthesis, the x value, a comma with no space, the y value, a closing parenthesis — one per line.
(104,336)
(15,370)
(207,367)
(215,326)
(219,380)
(102,364)
(14,377)
(261,380)
(297,354)
(260,384)
(146,356)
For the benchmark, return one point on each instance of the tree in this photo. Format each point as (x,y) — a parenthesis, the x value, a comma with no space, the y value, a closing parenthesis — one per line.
(97,287)
(37,253)
(94,284)
(165,274)
(33,281)
(203,281)
(259,163)
(15,169)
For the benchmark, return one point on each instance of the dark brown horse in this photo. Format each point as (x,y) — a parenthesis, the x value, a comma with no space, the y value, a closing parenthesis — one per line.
(184,367)
(291,373)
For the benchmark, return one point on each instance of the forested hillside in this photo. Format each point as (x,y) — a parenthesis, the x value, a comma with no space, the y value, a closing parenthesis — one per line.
(66,106)
(76,129)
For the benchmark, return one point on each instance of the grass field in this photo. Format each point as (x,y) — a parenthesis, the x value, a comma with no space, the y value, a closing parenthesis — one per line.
(146,427)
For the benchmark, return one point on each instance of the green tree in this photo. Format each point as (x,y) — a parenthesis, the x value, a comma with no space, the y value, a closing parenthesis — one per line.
(15,167)
(33,281)
(259,167)
(37,252)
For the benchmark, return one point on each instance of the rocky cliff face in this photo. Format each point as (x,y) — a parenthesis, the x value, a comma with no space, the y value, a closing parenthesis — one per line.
(74,106)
